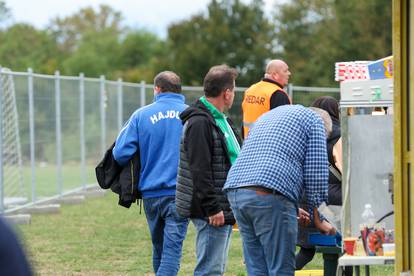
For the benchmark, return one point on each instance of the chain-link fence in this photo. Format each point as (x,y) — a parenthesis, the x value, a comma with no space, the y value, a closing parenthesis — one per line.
(56,129)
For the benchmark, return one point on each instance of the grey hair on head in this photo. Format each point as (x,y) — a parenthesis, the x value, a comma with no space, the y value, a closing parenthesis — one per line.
(327,121)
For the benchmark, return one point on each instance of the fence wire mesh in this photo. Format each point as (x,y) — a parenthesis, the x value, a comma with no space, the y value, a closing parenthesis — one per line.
(12,158)
(74,120)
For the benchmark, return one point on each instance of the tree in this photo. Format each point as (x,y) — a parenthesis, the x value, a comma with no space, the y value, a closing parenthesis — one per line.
(24,46)
(231,32)
(314,34)
(364,28)
(140,54)
(4,11)
(88,41)
(70,31)
(97,54)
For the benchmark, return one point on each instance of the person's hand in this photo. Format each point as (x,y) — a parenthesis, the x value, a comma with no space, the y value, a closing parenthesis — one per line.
(303,218)
(323,226)
(217,219)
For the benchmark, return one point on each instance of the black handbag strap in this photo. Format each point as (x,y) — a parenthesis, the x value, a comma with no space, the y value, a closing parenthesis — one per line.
(335,172)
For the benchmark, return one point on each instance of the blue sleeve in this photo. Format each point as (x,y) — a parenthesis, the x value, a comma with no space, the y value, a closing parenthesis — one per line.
(127,142)
(316,167)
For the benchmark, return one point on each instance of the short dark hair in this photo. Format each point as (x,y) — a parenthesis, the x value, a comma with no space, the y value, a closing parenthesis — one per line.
(168,81)
(328,104)
(218,79)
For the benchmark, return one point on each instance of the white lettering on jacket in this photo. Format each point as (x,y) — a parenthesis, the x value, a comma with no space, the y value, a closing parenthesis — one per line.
(169,114)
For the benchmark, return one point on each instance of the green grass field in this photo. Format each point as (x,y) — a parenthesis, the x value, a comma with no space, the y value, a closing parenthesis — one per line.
(46,179)
(99,237)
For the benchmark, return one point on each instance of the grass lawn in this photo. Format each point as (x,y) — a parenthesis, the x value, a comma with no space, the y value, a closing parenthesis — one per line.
(100,238)
(46,179)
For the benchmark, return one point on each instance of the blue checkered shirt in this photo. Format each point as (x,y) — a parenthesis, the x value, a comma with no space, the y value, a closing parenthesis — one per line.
(285,151)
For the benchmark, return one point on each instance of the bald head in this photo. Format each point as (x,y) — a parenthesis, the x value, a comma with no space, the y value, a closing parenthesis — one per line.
(167,81)
(275,65)
(278,71)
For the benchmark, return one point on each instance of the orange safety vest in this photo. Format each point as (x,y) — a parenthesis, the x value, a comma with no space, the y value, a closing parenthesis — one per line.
(256,102)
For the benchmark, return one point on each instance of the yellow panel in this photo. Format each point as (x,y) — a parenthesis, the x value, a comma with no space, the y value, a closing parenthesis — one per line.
(409,154)
(396,40)
(309,273)
(400,181)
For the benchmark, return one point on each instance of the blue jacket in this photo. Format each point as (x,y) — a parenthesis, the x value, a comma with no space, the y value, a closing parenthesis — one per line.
(154,130)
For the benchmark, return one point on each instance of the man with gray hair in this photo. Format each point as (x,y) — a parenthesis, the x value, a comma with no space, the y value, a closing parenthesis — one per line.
(266,94)
(154,131)
(283,158)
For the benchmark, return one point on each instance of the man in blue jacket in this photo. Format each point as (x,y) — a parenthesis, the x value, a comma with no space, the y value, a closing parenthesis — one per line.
(155,130)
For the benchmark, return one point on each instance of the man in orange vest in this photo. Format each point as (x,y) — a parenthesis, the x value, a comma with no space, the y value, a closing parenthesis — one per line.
(266,94)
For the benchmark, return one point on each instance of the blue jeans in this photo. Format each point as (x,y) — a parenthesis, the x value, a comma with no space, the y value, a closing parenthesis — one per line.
(168,231)
(212,248)
(268,227)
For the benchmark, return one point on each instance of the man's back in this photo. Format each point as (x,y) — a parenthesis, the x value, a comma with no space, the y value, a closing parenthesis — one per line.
(155,130)
(276,152)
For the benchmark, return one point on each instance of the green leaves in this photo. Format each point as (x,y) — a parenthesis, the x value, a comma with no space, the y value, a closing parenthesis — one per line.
(23,46)
(311,35)
(231,32)
(4,11)
(314,34)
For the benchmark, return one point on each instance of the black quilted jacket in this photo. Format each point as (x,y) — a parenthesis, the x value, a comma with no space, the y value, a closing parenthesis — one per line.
(204,164)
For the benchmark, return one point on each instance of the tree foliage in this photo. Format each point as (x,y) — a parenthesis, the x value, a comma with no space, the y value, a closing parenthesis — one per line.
(140,55)
(96,43)
(4,11)
(88,40)
(23,46)
(231,32)
(71,31)
(317,33)
(311,35)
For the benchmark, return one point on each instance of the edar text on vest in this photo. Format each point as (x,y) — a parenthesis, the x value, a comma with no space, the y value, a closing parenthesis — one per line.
(256,102)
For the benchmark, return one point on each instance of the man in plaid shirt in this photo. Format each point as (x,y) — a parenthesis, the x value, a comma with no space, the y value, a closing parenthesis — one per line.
(283,158)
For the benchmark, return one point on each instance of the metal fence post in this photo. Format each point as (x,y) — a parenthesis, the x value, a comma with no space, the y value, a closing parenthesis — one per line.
(120,102)
(82,128)
(290,91)
(58,134)
(143,96)
(32,131)
(1,145)
(103,115)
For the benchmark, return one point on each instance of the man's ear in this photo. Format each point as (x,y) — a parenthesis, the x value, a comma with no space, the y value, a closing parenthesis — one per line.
(226,94)
(157,89)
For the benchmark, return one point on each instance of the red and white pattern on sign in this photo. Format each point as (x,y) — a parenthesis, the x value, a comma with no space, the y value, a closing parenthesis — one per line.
(354,70)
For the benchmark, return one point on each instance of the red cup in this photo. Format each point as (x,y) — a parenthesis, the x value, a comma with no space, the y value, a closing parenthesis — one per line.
(350,245)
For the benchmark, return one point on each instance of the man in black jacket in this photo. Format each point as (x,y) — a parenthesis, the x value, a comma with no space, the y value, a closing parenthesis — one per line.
(209,146)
